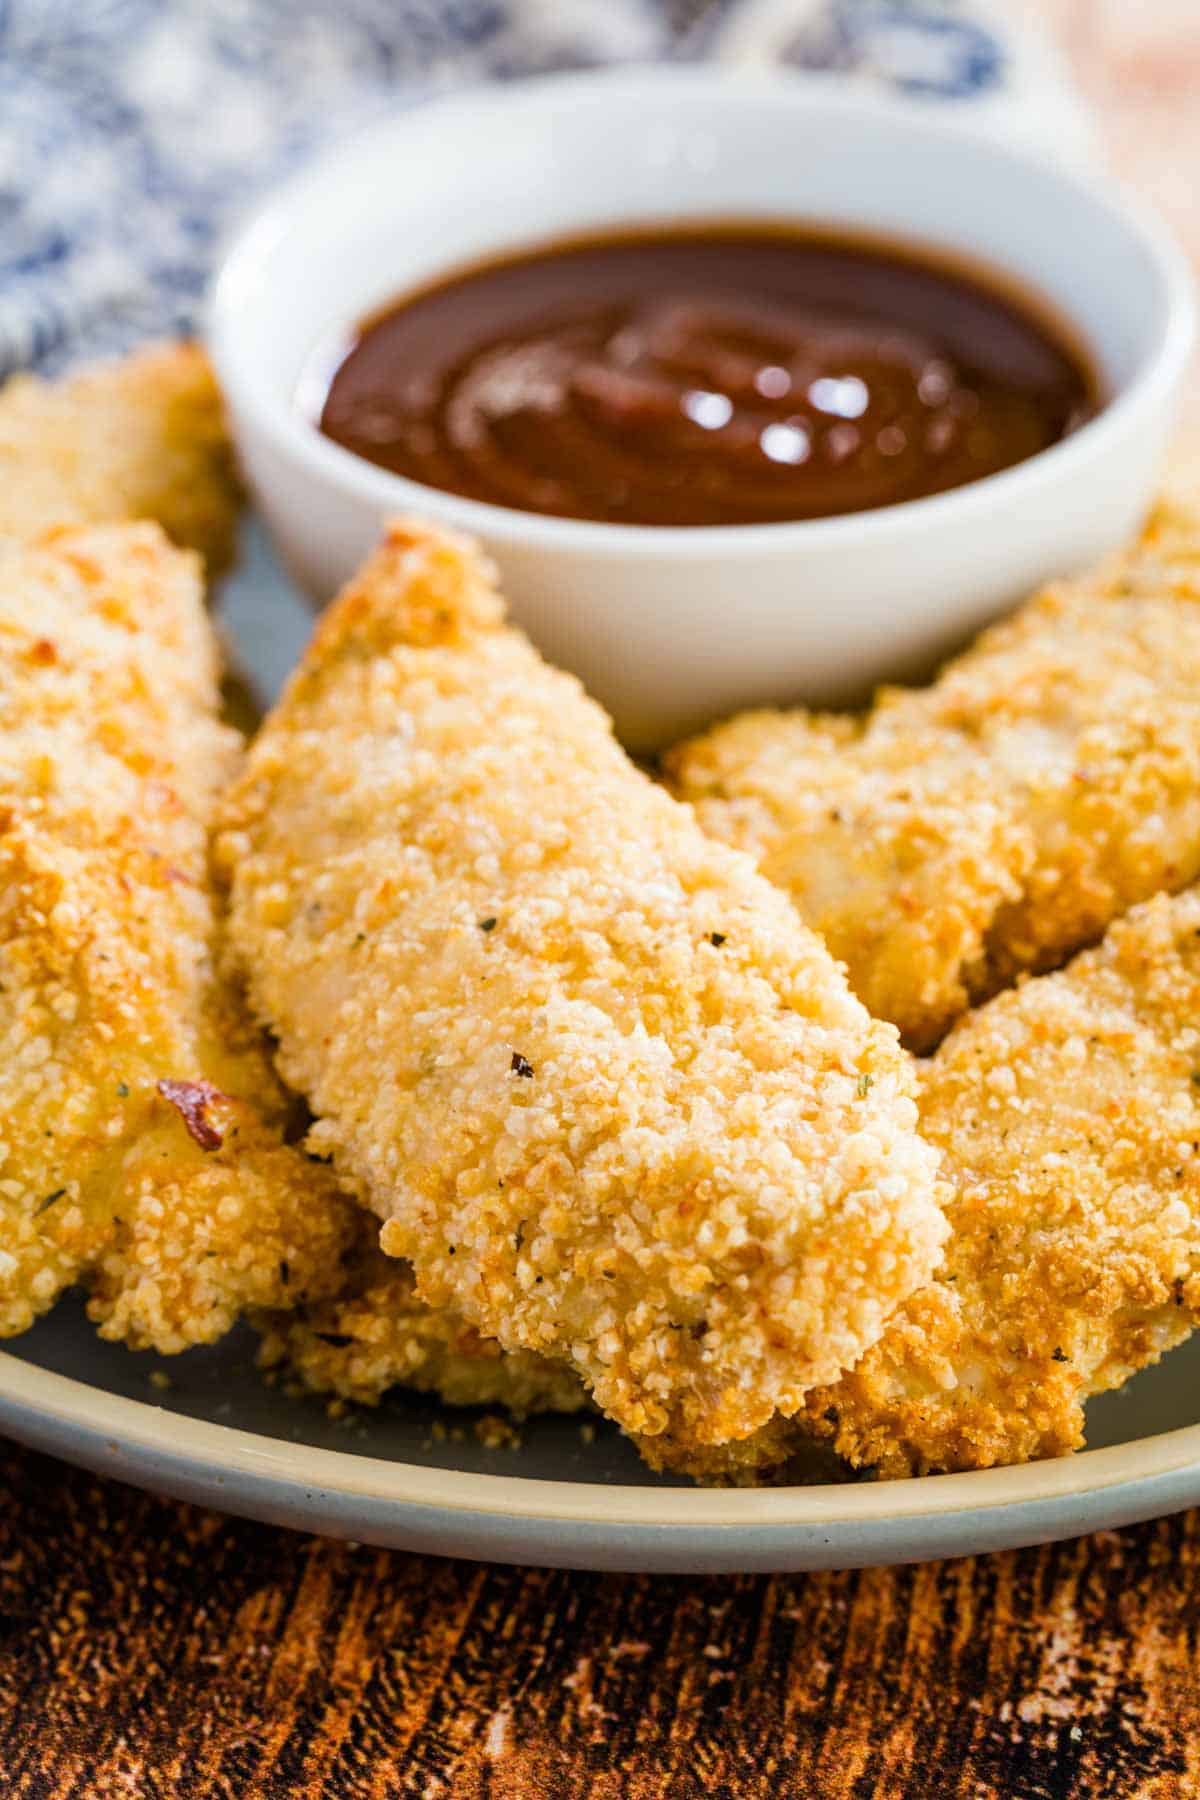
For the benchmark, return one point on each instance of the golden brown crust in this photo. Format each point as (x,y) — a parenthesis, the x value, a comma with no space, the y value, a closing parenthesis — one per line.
(110,760)
(375,1335)
(143,438)
(1068,1112)
(611,1102)
(998,820)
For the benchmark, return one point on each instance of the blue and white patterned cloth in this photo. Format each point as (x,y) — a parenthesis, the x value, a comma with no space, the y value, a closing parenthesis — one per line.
(133,131)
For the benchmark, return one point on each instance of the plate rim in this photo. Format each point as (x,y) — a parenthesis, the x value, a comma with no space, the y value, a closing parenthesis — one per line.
(593,1524)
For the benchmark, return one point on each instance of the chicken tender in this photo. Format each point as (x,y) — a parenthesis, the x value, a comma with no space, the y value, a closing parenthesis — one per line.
(143,438)
(375,1335)
(143,1148)
(611,1100)
(1068,1112)
(998,820)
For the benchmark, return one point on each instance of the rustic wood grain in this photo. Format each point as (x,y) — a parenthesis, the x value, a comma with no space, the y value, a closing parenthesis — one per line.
(157,1652)
(149,1649)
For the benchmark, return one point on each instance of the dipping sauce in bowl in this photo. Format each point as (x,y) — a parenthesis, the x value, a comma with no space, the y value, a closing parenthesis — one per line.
(716,374)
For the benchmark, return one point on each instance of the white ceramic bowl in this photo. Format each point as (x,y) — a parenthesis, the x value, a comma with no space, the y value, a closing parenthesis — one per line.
(671,627)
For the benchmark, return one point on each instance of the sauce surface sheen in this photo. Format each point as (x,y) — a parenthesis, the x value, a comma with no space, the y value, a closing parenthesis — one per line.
(715,374)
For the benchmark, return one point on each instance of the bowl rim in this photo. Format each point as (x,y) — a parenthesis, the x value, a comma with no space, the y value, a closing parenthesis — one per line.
(278,419)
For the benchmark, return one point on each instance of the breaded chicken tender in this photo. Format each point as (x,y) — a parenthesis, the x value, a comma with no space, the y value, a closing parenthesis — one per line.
(374,1334)
(613,1103)
(998,820)
(142,1129)
(142,438)
(1068,1112)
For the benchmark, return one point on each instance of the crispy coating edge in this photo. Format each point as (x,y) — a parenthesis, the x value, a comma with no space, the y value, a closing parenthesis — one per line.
(1068,1111)
(374,1334)
(143,1131)
(141,438)
(997,821)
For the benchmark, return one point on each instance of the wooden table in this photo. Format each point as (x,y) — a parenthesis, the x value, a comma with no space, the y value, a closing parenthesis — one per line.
(158,1652)
(148,1649)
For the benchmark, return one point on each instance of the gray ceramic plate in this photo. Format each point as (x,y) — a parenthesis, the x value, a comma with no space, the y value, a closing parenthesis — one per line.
(416,1478)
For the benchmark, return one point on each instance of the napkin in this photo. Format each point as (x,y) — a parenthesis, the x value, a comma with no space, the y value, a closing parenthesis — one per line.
(134,132)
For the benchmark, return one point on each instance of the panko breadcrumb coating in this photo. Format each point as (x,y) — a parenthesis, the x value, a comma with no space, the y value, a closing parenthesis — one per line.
(998,820)
(1068,1111)
(142,1129)
(143,438)
(613,1102)
(375,1335)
